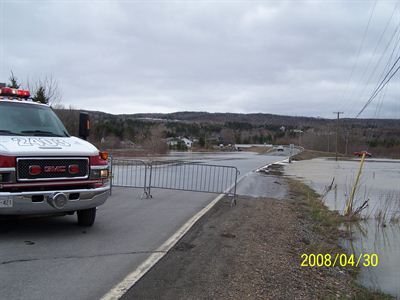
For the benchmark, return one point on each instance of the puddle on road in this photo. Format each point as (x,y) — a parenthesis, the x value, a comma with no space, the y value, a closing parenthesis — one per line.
(380,233)
(261,185)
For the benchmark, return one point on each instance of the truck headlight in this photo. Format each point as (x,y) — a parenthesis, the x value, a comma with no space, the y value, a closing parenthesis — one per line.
(104,173)
(99,174)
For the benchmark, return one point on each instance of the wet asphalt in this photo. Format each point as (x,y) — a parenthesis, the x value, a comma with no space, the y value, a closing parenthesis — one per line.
(53,258)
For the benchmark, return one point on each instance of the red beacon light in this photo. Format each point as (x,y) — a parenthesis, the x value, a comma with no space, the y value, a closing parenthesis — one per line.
(15,93)
(23,93)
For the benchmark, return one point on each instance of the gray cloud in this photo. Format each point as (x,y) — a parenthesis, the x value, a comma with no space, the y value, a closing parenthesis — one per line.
(275,57)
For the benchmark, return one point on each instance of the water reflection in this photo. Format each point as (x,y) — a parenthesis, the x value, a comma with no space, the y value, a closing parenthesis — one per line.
(369,237)
(379,231)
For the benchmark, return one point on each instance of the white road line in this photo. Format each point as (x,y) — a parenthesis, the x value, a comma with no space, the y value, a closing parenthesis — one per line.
(121,288)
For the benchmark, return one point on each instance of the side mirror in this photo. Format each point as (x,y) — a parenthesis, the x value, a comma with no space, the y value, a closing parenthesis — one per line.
(84,125)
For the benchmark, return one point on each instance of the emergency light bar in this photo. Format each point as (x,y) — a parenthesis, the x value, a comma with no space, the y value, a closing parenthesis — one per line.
(6,91)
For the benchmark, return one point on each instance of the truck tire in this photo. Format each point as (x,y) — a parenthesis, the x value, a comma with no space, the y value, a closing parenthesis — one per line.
(86,217)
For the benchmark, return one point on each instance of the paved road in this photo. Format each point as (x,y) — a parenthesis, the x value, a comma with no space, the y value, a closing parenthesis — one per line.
(52,258)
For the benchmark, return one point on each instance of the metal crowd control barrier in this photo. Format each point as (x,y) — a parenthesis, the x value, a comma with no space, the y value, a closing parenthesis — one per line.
(131,174)
(174,175)
(194,177)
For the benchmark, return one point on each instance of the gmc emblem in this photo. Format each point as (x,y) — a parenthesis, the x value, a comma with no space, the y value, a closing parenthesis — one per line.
(54,169)
(35,170)
(73,169)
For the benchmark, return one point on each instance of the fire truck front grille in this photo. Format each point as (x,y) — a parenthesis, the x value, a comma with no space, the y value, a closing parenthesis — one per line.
(34,169)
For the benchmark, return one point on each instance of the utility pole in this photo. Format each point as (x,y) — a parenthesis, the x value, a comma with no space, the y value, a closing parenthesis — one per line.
(300,139)
(329,138)
(337,131)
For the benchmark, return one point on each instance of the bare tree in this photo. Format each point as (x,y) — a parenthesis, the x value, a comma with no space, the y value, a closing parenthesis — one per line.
(228,135)
(155,143)
(46,90)
(69,116)
(13,81)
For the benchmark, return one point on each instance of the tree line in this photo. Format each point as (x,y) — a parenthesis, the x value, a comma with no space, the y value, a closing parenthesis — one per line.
(121,131)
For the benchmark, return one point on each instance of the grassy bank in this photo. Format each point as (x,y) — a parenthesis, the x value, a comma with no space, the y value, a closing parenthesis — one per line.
(326,225)
(310,154)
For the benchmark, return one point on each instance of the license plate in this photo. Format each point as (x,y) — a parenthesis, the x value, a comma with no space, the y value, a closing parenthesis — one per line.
(6,202)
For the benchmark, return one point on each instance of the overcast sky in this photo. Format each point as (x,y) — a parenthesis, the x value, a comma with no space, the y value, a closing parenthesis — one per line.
(295,58)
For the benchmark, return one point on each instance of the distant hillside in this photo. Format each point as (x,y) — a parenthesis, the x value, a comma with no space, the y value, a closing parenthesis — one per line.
(258,119)
(255,119)
(381,136)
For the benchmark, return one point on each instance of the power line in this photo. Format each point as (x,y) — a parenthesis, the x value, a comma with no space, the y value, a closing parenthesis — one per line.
(396,43)
(359,51)
(375,50)
(387,74)
(381,82)
(380,86)
(389,62)
(388,71)
(392,38)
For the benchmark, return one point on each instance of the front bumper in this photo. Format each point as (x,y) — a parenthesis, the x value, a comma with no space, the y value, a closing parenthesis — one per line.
(22,203)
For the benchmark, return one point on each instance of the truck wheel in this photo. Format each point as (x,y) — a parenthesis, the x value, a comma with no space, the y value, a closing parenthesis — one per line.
(86,217)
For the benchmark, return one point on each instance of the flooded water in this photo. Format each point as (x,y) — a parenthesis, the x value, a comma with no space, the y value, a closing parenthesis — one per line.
(253,184)
(250,184)
(380,232)
(243,161)
(379,183)
(370,237)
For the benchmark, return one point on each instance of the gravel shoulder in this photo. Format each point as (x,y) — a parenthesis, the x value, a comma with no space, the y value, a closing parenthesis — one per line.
(250,251)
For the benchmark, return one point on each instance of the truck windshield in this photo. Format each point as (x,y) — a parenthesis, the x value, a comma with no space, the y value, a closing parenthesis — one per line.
(29,120)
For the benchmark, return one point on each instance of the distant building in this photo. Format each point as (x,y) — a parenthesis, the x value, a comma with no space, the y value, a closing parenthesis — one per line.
(188,143)
(174,141)
(297,131)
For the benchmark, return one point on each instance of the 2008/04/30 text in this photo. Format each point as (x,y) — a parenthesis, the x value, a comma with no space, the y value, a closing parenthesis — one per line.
(339,260)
